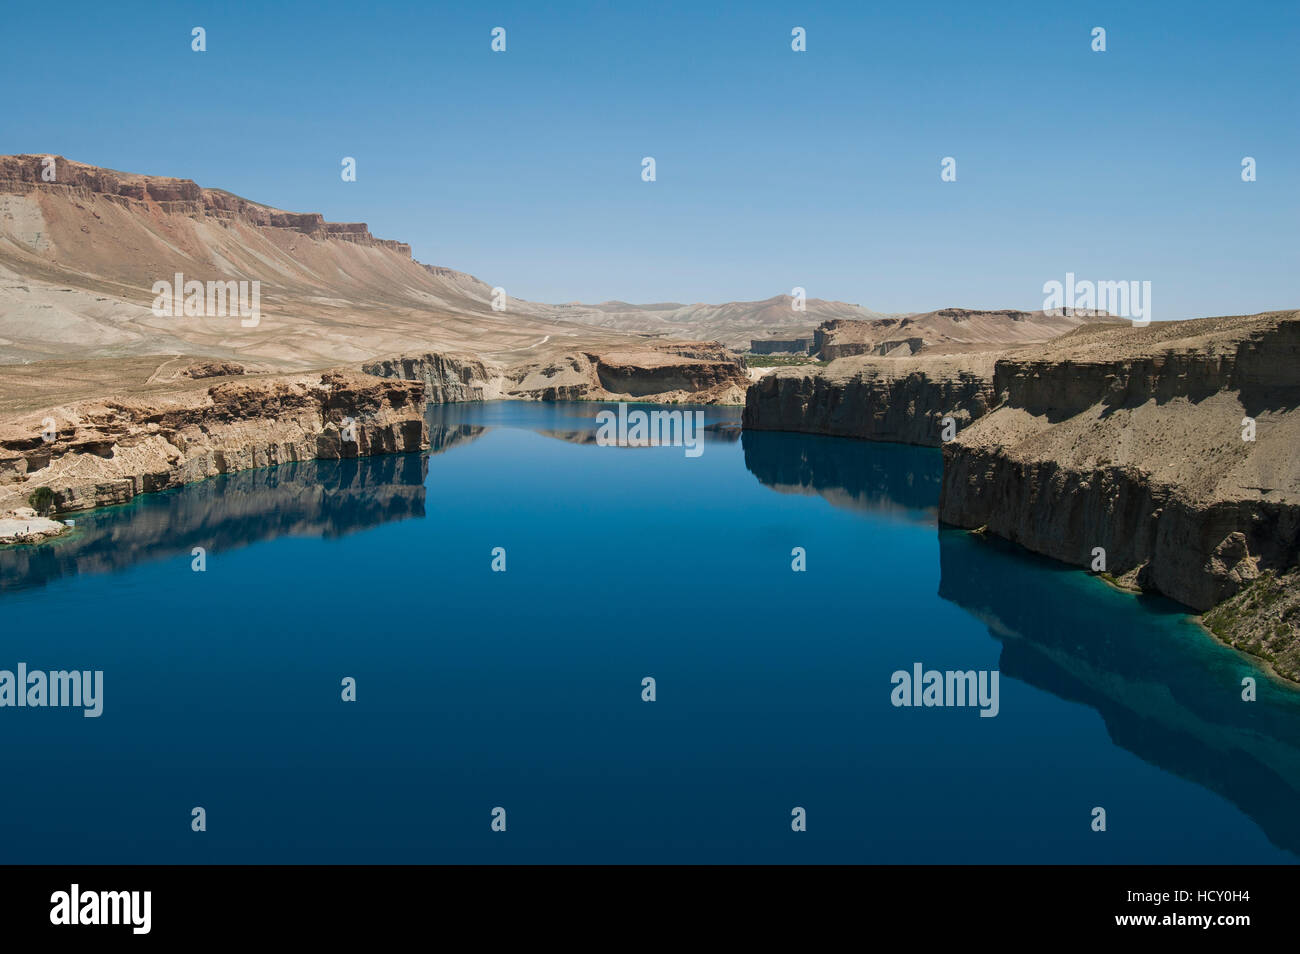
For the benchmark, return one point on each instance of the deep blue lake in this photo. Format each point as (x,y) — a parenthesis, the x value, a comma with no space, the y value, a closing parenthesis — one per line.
(522,689)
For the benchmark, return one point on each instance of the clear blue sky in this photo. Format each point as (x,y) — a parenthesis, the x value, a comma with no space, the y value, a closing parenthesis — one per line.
(775,168)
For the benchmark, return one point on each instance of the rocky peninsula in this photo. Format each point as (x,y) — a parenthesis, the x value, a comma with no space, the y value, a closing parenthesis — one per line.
(1167,451)
(106,451)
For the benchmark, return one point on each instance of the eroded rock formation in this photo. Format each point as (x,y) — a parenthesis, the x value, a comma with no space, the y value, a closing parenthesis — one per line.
(945,331)
(101,452)
(447,378)
(662,372)
(23,173)
(1169,451)
(881,399)
(1131,440)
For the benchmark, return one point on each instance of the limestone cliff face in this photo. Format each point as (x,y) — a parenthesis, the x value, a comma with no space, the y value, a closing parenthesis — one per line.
(447,378)
(21,174)
(948,330)
(1112,437)
(840,338)
(883,399)
(106,451)
(1197,552)
(691,367)
(680,372)
(662,372)
(1132,441)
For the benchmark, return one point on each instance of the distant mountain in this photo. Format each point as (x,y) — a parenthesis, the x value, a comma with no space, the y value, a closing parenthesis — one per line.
(946,331)
(81,248)
(79,256)
(735,323)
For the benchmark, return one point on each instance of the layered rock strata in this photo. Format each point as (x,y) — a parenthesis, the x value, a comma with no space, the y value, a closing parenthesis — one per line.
(1165,457)
(102,452)
(23,173)
(662,372)
(1170,448)
(447,378)
(881,399)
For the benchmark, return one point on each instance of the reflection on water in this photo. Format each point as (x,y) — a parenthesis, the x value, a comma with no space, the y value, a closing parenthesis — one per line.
(571,421)
(718,433)
(447,437)
(324,498)
(895,479)
(1167,693)
(720,423)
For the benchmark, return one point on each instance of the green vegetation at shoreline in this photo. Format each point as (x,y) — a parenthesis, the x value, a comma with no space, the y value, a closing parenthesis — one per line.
(780,360)
(1263,620)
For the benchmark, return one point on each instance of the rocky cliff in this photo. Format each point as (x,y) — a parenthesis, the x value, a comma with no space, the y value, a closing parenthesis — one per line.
(447,378)
(25,173)
(701,372)
(946,331)
(1169,452)
(1171,448)
(102,452)
(662,372)
(797,344)
(882,399)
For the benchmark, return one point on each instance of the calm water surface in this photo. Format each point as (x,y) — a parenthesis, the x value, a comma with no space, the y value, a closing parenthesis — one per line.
(522,689)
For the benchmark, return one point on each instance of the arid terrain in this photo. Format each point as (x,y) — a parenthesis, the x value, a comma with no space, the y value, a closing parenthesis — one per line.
(79,257)
(946,331)
(1169,448)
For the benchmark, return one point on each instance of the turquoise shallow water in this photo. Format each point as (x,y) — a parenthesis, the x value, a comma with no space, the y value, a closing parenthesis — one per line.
(523,689)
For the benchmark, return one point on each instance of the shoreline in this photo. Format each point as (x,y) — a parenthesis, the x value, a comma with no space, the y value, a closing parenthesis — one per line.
(47,529)
(1195,617)
(1115,583)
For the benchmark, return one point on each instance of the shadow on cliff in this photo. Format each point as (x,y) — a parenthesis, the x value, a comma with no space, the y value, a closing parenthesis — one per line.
(897,479)
(324,498)
(1167,693)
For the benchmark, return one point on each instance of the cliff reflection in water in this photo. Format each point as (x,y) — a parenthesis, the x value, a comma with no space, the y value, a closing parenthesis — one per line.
(443,438)
(328,498)
(574,422)
(1168,693)
(893,479)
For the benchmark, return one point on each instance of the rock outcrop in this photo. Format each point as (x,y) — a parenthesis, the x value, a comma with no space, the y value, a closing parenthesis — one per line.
(946,331)
(1169,452)
(25,525)
(212,369)
(683,372)
(24,173)
(102,452)
(447,378)
(799,344)
(881,399)
(1131,440)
